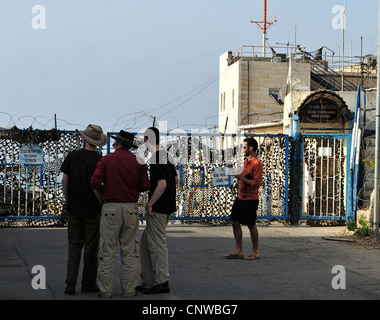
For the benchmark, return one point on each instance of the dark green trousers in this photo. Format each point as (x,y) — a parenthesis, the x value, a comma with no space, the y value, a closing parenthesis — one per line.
(83,232)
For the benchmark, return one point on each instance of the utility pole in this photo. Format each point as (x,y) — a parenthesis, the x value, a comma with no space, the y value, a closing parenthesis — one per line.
(344,26)
(264,25)
(377,142)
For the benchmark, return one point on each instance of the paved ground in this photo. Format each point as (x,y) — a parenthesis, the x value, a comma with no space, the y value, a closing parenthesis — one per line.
(296,264)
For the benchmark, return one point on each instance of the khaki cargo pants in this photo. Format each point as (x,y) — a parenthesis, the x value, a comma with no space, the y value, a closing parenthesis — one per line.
(154,251)
(118,224)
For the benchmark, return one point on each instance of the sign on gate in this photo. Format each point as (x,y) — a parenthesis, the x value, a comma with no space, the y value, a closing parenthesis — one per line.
(31,155)
(221,177)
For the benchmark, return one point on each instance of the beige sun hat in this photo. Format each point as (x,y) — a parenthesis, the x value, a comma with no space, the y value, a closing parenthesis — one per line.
(94,135)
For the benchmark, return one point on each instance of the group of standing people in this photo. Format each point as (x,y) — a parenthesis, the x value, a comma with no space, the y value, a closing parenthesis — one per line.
(101,195)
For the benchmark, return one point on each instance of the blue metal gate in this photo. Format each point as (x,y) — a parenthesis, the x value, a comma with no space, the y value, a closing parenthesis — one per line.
(34,192)
(325,171)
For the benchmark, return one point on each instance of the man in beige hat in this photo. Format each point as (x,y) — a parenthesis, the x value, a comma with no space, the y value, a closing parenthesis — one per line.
(83,209)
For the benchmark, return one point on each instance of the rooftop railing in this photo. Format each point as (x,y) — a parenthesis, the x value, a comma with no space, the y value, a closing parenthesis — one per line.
(349,64)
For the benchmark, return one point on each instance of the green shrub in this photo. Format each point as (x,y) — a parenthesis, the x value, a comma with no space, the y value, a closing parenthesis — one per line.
(363,229)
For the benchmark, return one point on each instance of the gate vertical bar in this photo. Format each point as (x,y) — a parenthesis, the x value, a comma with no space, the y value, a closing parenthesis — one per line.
(375,224)
(334,177)
(340,177)
(287,176)
(327,176)
(315,176)
(348,156)
(321,184)
(19,190)
(26,189)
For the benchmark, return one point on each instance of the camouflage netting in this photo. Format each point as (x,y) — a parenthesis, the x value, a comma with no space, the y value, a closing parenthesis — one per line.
(33,190)
(31,196)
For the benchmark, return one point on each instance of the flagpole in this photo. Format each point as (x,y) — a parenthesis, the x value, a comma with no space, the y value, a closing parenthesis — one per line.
(377,143)
(344,26)
(291,89)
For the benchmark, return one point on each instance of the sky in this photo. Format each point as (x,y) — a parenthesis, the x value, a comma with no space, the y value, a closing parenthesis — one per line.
(120,63)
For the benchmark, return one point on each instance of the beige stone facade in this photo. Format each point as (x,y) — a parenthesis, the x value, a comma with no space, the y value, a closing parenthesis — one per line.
(252,92)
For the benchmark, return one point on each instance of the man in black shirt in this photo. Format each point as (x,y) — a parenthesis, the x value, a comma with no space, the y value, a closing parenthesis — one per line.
(83,209)
(161,204)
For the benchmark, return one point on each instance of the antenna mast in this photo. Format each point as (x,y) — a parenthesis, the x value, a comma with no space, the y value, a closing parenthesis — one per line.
(264,25)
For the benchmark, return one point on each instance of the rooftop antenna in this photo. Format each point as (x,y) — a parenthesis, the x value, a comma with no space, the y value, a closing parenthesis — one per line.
(264,25)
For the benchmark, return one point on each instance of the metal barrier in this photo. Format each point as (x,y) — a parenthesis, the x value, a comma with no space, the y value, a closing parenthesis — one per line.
(197,155)
(31,193)
(325,176)
(31,181)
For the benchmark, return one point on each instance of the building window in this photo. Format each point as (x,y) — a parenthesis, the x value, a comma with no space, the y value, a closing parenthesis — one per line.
(275,95)
(233,98)
(223,101)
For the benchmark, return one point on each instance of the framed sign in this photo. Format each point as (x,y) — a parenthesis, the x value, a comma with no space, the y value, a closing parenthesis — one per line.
(31,155)
(321,112)
(221,177)
(323,107)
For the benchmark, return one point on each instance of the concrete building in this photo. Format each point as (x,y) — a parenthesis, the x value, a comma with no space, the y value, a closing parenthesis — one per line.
(260,94)
(254,91)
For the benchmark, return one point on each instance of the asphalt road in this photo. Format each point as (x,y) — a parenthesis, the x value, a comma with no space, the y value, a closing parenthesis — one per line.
(296,263)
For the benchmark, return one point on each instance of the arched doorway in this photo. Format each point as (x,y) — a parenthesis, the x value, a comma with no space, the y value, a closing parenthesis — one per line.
(324,124)
(323,111)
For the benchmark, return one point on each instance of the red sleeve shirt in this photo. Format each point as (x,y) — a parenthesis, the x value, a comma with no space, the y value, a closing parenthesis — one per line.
(120,177)
(253,171)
